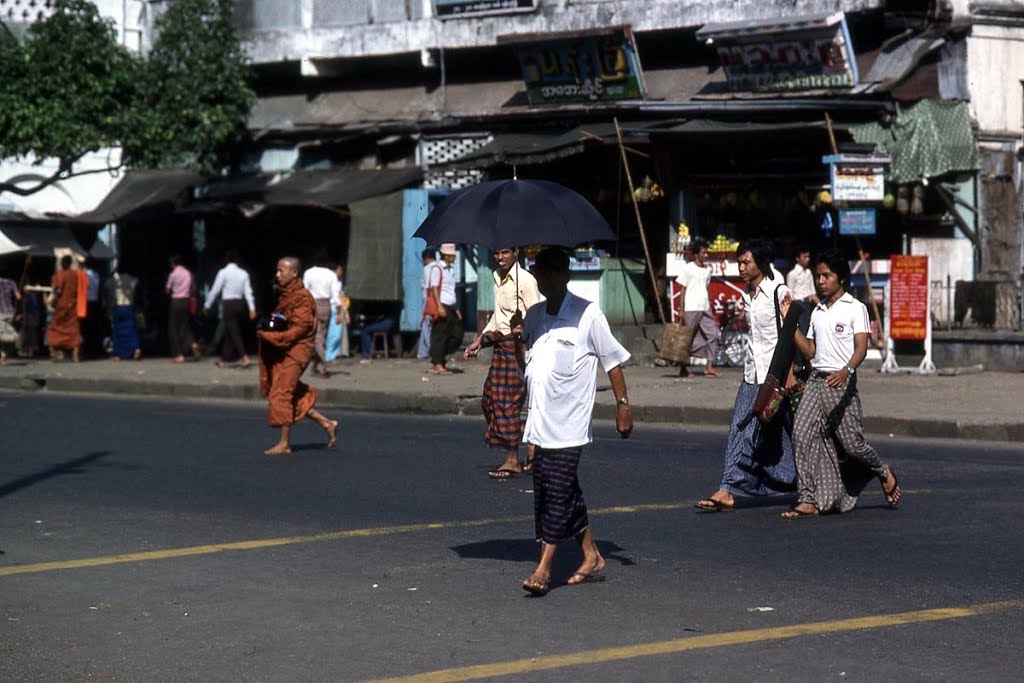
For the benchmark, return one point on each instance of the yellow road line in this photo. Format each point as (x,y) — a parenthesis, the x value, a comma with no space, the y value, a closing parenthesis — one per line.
(314,538)
(612,654)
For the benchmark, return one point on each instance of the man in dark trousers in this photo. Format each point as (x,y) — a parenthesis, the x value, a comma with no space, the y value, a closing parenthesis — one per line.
(446,335)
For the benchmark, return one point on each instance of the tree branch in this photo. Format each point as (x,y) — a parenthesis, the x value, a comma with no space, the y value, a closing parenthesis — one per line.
(63,172)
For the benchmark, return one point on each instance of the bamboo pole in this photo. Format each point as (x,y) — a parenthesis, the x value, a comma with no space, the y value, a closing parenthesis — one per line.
(639,222)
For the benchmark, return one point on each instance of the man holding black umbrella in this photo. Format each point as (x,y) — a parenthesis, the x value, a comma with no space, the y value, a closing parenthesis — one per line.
(558,346)
(515,291)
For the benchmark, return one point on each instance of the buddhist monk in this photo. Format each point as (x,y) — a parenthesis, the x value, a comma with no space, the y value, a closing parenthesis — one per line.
(64,333)
(285,354)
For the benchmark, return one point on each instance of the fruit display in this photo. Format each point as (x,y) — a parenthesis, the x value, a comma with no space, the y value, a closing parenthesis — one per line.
(723,244)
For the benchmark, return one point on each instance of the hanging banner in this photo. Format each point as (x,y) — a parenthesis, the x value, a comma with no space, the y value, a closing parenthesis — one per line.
(579,66)
(908,297)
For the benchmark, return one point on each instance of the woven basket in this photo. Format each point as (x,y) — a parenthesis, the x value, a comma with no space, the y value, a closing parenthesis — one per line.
(675,342)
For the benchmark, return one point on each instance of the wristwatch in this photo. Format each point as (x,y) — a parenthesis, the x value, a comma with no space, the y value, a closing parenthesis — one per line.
(850,370)
(624,401)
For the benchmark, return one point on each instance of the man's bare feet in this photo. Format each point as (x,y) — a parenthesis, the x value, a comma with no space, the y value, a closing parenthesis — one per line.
(719,500)
(332,432)
(801,510)
(279,449)
(537,584)
(711,372)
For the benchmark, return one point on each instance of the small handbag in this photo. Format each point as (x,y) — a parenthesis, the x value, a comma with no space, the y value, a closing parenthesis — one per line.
(431,308)
(770,396)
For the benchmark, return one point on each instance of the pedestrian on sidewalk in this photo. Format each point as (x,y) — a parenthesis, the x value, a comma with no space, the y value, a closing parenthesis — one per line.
(697,314)
(558,346)
(446,334)
(337,342)
(93,324)
(758,457)
(64,333)
(284,355)
(180,288)
(233,286)
(833,460)
(323,284)
(431,273)
(515,291)
(120,291)
(9,298)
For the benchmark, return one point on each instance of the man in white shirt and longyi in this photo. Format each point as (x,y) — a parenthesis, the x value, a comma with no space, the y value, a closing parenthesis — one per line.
(558,345)
(322,282)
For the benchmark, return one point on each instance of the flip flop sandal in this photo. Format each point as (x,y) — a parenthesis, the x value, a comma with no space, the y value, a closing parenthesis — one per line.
(584,577)
(710,505)
(536,587)
(894,491)
(794,513)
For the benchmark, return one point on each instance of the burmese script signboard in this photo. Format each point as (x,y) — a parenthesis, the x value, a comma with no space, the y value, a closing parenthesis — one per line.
(461,8)
(588,66)
(801,53)
(908,297)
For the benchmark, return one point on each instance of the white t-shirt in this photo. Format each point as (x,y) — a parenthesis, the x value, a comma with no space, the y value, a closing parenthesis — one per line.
(801,281)
(431,271)
(832,330)
(322,283)
(764,331)
(561,370)
(447,274)
(695,279)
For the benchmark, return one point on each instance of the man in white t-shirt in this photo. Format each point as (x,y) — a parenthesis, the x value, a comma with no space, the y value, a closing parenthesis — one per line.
(430,265)
(558,345)
(694,280)
(446,334)
(800,278)
(834,463)
(322,282)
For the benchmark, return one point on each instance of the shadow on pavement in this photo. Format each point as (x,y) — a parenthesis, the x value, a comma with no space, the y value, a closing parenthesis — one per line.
(75,466)
(528,550)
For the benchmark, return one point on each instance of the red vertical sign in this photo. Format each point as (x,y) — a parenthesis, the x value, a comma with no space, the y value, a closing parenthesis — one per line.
(908,297)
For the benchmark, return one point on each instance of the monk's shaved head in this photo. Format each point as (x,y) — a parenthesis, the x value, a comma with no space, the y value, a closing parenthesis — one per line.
(292,262)
(287,270)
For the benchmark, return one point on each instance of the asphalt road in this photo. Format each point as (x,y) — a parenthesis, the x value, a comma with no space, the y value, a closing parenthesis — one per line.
(152,541)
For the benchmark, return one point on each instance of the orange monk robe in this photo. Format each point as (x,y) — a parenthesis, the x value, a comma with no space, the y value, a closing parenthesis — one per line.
(64,332)
(82,302)
(284,356)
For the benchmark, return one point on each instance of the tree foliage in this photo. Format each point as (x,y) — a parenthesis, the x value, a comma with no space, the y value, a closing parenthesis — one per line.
(69,88)
(194,99)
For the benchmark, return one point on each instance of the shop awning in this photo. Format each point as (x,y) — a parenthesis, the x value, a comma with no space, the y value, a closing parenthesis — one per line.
(927,140)
(541,147)
(140,190)
(40,240)
(715,127)
(338,187)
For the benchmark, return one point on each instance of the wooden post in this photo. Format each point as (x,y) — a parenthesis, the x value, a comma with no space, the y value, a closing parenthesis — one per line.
(639,222)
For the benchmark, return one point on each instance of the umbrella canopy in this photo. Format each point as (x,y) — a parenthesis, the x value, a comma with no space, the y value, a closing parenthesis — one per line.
(515,213)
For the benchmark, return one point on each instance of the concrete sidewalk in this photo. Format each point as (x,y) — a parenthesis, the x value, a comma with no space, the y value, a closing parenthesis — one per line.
(983,406)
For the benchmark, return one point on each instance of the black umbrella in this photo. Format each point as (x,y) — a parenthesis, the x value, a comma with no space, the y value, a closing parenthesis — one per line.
(515,213)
